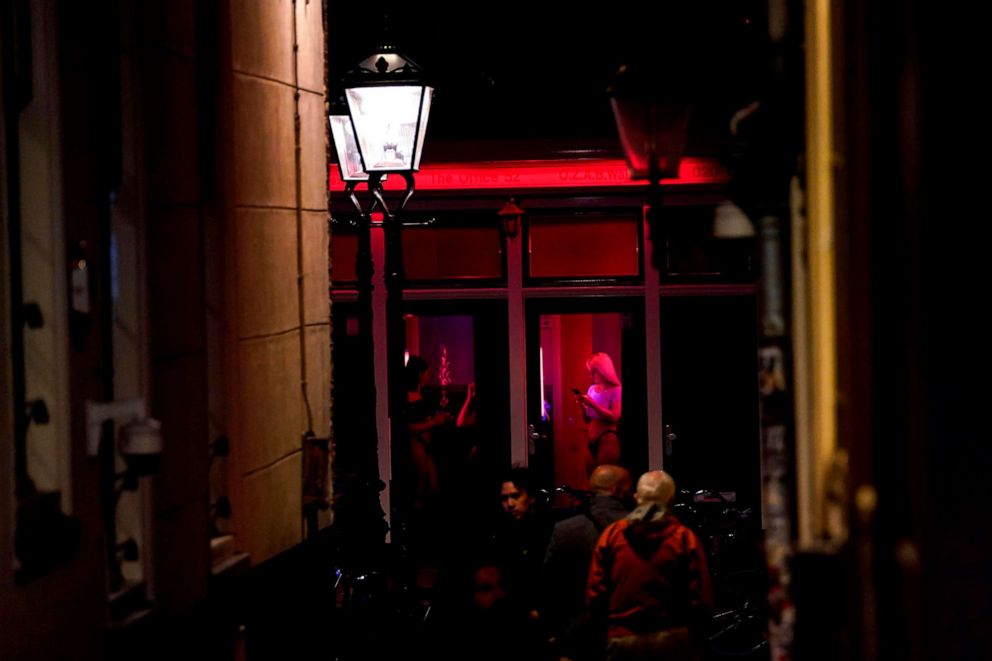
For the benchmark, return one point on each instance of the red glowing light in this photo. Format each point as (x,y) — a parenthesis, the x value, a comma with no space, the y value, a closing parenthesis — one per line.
(518,175)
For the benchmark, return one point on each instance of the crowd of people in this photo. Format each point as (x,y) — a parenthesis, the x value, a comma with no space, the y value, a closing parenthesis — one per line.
(613,575)
(618,578)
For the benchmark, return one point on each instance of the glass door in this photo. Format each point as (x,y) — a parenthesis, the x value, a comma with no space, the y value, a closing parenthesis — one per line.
(585,348)
(710,394)
(458,392)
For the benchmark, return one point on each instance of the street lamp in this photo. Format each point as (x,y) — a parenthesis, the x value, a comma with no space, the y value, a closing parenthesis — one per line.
(379,130)
(389,103)
(366,519)
(651,108)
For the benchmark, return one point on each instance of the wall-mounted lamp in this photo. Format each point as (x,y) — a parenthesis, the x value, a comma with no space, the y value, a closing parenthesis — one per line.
(730,222)
(509,217)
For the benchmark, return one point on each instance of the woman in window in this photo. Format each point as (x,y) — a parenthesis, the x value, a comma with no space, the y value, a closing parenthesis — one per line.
(423,417)
(601,408)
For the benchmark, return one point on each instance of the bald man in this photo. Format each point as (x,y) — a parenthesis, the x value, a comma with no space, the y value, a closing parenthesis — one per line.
(566,563)
(648,579)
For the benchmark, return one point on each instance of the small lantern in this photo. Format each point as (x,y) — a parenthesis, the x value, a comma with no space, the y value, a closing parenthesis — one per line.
(509,217)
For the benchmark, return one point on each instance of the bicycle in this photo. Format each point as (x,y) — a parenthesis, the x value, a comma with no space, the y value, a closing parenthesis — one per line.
(730,537)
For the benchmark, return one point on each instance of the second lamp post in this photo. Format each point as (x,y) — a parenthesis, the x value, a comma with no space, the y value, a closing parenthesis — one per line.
(388,105)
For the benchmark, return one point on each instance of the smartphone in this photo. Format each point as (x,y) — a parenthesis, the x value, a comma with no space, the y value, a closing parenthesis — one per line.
(576,391)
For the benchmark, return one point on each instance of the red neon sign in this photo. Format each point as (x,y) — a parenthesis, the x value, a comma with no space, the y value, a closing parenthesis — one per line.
(600,173)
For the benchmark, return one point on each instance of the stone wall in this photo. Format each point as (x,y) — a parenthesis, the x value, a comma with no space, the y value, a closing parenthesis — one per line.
(275,231)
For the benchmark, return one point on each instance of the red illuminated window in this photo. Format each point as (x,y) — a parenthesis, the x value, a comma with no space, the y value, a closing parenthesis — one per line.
(435,255)
(584,247)
(432,254)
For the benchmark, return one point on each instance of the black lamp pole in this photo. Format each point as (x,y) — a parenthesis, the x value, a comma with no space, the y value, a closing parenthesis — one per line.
(367,519)
(656,230)
(395,280)
(388,104)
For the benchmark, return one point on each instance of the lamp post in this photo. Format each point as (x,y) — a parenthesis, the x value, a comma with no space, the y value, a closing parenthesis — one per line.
(365,522)
(382,133)
(651,110)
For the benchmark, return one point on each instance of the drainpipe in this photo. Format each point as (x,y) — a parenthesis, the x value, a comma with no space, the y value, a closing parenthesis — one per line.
(109,156)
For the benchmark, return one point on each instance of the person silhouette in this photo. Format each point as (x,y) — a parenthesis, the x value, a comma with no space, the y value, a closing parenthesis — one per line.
(602,408)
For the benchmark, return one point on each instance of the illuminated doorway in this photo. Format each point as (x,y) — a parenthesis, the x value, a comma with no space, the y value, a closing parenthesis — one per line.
(562,337)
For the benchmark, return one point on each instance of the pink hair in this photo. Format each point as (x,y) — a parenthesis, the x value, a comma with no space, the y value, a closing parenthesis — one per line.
(603,364)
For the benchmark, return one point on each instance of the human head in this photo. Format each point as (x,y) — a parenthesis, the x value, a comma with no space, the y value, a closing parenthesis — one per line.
(517,492)
(487,586)
(610,480)
(655,488)
(413,372)
(600,364)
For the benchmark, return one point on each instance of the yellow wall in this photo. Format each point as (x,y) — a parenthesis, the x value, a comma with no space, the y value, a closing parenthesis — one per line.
(276,212)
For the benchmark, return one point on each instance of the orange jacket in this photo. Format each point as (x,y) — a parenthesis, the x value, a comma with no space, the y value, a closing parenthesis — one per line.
(649,575)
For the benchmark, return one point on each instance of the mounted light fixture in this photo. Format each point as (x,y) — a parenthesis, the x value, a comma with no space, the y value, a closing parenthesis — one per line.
(730,222)
(651,107)
(509,217)
(389,103)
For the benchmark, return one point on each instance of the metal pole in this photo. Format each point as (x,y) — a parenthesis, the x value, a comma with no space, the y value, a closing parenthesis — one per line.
(366,519)
(659,251)
(395,348)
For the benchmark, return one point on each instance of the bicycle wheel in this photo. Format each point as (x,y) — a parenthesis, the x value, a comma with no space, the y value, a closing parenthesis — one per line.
(739,624)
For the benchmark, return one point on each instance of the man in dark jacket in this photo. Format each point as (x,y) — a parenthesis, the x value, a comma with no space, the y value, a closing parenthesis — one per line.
(566,563)
(649,579)
(521,538)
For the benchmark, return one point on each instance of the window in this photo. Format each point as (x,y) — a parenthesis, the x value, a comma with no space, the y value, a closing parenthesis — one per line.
(435,254)
(584,247)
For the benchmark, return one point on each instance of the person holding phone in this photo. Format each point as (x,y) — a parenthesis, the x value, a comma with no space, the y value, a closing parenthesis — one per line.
(602,408)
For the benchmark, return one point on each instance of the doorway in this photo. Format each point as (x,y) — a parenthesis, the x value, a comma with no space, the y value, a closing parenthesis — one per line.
(464,345)
(562,335)
(710,395)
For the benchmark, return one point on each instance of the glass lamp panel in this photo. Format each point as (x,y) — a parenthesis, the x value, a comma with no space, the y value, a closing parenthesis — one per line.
(425,112)
(651,131)
(385,120)
(349,158)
